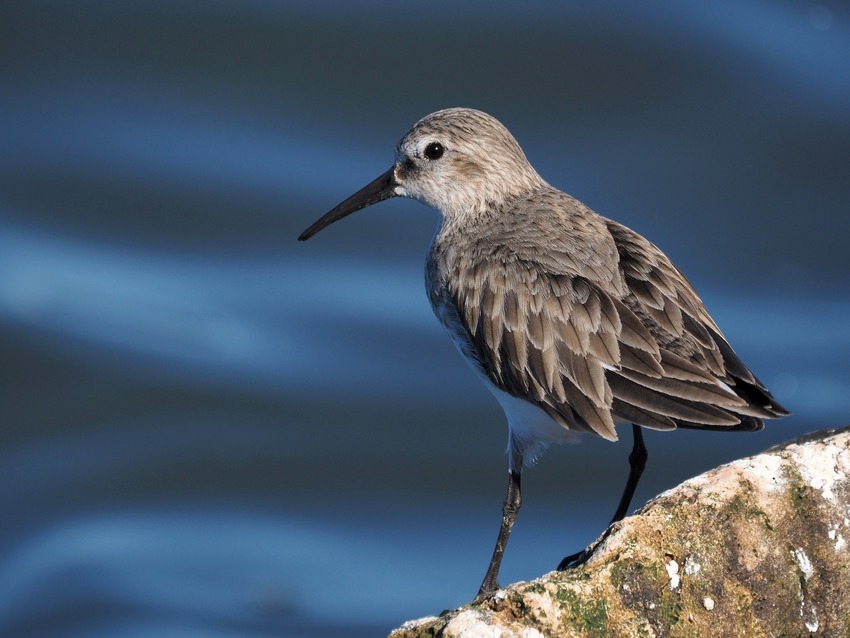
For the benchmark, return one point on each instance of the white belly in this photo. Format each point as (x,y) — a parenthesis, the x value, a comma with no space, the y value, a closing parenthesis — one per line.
(530,429)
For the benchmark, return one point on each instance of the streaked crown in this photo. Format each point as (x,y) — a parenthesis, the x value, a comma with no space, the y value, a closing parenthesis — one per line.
(462,161)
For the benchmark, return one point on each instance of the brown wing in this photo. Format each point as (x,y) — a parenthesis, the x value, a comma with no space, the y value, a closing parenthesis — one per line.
(590,353)
(548,339)
(695,356)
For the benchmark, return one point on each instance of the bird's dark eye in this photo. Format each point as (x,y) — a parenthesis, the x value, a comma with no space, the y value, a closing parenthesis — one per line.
(434,150)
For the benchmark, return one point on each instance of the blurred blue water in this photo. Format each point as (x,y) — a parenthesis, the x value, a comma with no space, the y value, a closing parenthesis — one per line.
(209,429)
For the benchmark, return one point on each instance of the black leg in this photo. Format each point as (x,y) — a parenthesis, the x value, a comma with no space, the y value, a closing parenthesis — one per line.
(510,509)
(637,463)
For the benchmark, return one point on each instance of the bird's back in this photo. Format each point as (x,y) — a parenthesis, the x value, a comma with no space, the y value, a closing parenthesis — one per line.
(587,320)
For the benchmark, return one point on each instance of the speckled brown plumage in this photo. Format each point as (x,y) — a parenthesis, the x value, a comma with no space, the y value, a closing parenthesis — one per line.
(575,322)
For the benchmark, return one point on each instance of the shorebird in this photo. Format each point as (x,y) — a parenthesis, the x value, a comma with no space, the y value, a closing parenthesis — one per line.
(573,321)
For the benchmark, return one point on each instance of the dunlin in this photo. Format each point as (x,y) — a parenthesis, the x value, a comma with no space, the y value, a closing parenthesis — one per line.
(575,322)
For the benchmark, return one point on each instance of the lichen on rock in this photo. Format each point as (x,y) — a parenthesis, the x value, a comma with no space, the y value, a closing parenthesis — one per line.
(756,547)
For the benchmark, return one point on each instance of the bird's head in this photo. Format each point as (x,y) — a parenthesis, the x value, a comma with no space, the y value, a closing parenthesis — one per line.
(460,161)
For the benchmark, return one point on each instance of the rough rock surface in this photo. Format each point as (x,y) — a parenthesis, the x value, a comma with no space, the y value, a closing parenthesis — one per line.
(757,547)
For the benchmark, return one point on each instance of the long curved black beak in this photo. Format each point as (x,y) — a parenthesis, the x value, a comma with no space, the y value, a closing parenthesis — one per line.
(377,191)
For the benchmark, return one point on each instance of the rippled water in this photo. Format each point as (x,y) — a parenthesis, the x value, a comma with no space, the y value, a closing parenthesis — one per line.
(209,429)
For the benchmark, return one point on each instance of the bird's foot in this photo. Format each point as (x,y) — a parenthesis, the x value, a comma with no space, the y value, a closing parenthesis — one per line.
(486,592)
(574,560)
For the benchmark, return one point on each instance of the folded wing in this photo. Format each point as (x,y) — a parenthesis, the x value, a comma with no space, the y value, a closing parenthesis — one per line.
(590,353)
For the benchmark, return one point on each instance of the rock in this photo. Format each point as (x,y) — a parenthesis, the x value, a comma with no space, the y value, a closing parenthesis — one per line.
(757,547)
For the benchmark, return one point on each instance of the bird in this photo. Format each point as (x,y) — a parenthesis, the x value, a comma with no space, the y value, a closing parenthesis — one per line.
(575,322)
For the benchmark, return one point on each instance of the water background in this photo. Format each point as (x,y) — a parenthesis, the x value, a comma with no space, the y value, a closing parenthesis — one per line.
(210,429)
